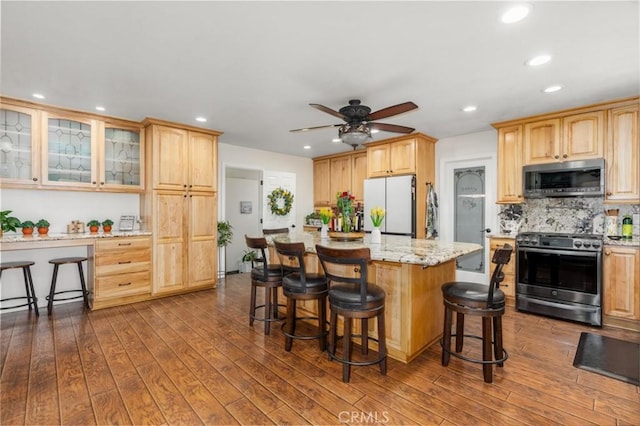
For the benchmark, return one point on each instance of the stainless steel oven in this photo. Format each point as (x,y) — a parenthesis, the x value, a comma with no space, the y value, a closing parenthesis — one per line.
(560,275)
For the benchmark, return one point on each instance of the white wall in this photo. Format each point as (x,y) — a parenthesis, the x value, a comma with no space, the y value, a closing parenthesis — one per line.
(241,190)
(59,208)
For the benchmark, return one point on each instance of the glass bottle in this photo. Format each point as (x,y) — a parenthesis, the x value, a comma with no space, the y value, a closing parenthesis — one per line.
(627,227)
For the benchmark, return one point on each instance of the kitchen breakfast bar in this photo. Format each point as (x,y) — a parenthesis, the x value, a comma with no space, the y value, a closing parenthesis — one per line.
(411,272)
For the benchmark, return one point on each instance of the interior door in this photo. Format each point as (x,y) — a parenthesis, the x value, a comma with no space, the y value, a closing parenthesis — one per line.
(468,199)
(272,180)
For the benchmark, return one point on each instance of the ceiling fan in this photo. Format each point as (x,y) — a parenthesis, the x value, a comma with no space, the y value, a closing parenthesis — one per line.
(359,121)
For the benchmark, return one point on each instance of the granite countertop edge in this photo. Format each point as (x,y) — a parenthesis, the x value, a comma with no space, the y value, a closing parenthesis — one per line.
(57,236)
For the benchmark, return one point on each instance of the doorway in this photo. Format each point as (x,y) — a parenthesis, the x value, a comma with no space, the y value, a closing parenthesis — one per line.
(468,199)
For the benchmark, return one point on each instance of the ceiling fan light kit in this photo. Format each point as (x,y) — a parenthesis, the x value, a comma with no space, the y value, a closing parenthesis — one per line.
(359,121)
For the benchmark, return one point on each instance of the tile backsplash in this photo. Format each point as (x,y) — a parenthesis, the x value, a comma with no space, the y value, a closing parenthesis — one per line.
(569,215)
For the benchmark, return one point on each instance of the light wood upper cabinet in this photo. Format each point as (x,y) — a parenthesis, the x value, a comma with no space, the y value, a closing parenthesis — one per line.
(203,158)
(622,156)
(321,184)
(19,146)
(574,137)
(510,165)
(392,158)
(121,161)
(340,178)
(358,174)
(170,163)
(621,289)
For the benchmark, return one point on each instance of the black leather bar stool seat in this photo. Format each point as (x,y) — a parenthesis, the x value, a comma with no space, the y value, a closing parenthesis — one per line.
(269,277)
(84,294)
(487,302)
(297,284)
(352,297)
(30,294)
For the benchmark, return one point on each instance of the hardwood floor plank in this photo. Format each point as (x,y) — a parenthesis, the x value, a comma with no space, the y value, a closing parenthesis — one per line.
(368,411)
(246,413)
(14,381)
(110,409)
(141,406)
(43,404)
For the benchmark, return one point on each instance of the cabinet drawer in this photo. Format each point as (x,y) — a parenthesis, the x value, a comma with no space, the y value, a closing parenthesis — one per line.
(122,243)
(123,285)
(122,262)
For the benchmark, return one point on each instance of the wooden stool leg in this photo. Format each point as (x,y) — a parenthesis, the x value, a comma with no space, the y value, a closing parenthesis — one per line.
(497,339)
(487,369)
(291,323)
(275,303)
(333,333)
(52,289)
(252,305)
(267,310)
(364,325)
(322,317)
(446,337)
(382,343)
(459,331)
(346,368)
(85,295)
(33,299)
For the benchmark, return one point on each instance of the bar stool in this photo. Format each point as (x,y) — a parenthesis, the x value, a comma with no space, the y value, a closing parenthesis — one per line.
(353,298)
(32,300)
(481,300)
(52,291)
(299,285)
(269,277)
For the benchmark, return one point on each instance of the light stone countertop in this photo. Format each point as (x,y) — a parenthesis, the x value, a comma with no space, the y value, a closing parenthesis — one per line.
(18,241)
(633,242)
(392,248)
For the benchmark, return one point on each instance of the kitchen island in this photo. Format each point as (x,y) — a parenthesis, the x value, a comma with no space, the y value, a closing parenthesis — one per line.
(411,273)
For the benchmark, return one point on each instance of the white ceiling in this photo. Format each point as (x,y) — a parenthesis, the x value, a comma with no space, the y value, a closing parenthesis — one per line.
(252,68)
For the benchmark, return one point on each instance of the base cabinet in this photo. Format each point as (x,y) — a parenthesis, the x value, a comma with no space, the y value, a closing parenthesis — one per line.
(621,287)
(508,285)
(121,270)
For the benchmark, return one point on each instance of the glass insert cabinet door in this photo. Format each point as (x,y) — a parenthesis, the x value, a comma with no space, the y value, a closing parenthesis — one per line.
(70,152)
(122,159)
(19,149)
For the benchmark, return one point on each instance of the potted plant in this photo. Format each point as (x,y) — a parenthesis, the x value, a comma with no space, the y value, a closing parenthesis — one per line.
(8,223)
(43,227)
(27,227)
(225,235)
(248,258)
(93,225)
(106,225)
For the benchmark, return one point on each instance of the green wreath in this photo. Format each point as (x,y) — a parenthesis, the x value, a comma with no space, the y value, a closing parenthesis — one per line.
(274,201)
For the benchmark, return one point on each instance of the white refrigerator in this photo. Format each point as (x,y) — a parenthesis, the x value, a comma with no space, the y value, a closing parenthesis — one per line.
(397,195)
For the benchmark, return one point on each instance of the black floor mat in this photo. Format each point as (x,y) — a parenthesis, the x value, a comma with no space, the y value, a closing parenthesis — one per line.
(610,357)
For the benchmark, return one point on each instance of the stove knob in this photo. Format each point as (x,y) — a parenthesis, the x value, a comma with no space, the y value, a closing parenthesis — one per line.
(587,244)
(596,244)
(534,242)
(526,240)
(577,243)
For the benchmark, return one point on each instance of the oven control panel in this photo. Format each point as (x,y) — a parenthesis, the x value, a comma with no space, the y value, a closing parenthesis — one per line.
(586,242)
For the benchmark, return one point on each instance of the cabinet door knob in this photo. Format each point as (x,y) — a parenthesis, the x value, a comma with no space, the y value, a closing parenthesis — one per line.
(185,185)
(608,194)
(35,179)
(94,182)
(607,252)
(564,155)
(556,157)
(101,183)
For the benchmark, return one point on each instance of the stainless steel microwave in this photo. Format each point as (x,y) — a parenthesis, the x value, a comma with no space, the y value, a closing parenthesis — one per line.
(569,179)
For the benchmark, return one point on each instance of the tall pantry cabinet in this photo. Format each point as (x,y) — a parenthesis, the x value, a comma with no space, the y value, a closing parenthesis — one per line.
(179,206)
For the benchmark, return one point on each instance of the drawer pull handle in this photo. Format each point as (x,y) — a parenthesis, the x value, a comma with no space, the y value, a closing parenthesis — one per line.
(124,284)
(123,262)
(124,244)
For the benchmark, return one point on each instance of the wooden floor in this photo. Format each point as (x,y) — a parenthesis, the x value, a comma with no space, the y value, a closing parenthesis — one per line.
(193,359)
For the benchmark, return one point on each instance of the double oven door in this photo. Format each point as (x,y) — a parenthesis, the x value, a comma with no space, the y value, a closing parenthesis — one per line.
(561,283)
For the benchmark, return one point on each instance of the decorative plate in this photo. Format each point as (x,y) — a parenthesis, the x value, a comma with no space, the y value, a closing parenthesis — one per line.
(346,236)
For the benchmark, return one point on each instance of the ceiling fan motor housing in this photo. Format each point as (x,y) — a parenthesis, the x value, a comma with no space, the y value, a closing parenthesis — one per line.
(354,112)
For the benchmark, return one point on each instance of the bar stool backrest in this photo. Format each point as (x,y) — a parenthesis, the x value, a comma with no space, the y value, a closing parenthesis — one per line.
(259,243)
(358,258)
(275,231)
(501,257)
(295,253)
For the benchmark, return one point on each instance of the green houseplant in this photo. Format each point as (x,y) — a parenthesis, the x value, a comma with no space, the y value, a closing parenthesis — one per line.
(248,258)
(8,223)
(225,236)
(27,227)
(43,226)
(93,225)
(106,225)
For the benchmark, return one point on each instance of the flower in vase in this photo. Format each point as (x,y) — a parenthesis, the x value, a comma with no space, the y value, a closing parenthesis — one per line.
(344,202)
(377,216)
(325,215)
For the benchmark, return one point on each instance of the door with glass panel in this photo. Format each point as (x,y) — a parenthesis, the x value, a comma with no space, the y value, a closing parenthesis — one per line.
(121,158)
(468,213)
(19,146)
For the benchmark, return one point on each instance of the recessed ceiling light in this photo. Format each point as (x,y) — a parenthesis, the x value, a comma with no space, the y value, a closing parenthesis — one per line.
(375,131)
(336,140)
(201,119)
(515,14)
(470,108)
(552,89)
(538,60)
(100,108)
(38,96)
(307,147)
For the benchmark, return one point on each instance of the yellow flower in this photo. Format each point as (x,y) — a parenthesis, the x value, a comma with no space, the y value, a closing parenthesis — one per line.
(377,215)
(325,214)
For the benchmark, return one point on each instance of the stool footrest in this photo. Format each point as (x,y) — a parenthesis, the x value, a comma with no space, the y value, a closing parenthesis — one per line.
(475,360)
(304,336)
(267,319)
(84,294)
(34,300)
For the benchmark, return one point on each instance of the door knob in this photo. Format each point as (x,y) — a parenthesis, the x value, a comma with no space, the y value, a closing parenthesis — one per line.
(487,230)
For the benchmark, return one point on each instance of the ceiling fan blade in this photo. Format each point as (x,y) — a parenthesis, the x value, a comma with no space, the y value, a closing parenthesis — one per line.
(329,111)
(391,128)
(306,129)
(392,110)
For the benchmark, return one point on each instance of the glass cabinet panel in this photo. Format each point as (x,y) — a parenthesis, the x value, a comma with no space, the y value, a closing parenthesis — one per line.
(121,157)
(17,130)
(69,151)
